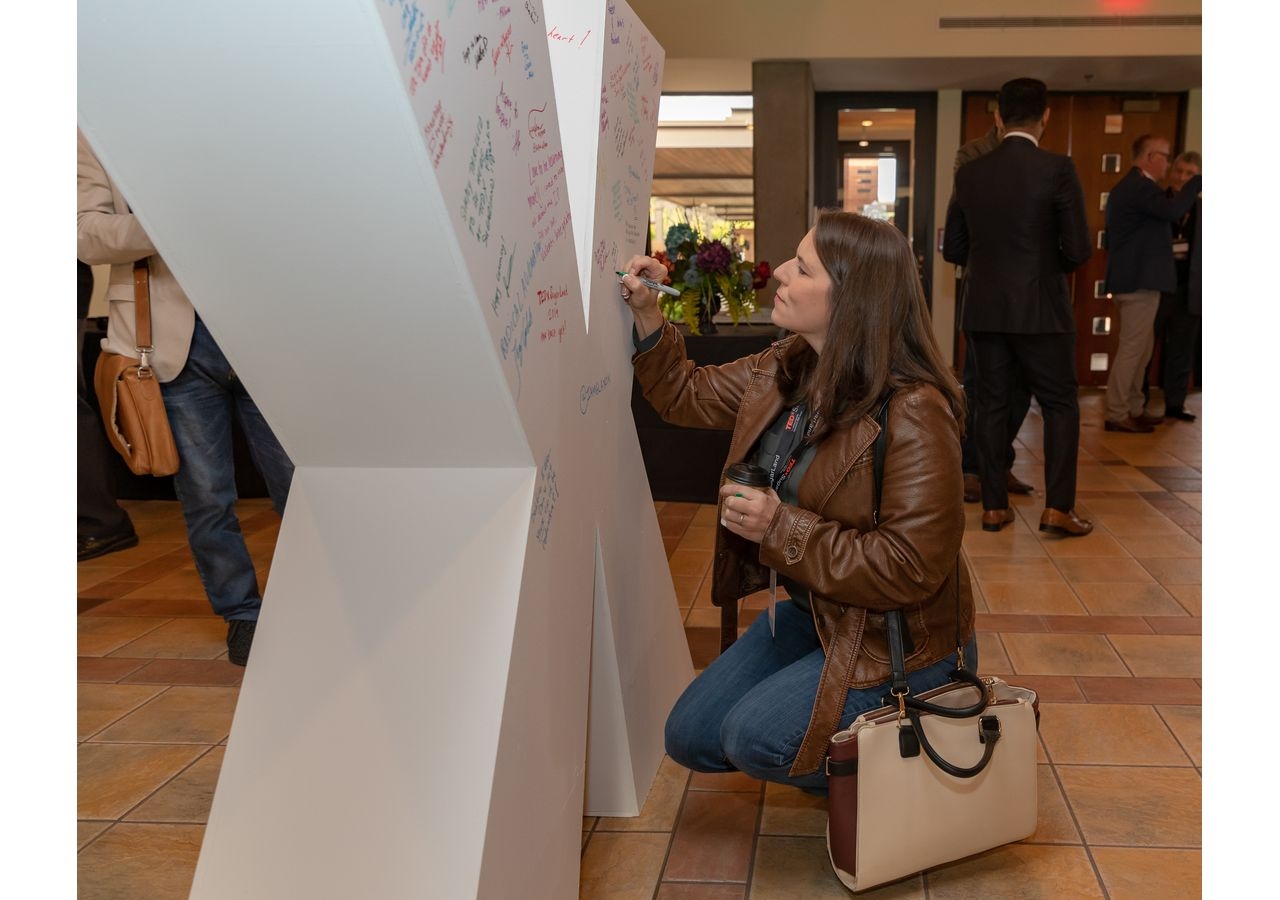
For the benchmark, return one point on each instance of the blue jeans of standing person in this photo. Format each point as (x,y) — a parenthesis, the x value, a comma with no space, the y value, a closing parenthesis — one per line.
(201,402)
(748,711)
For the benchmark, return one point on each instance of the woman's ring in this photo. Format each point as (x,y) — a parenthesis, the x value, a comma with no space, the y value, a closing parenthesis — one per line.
(742,517)
(626,294)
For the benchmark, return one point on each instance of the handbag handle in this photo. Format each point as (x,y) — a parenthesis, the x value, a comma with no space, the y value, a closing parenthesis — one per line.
(895,628)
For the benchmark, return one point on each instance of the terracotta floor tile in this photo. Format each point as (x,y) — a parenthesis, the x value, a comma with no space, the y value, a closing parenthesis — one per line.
(703,617)
(100,636)
(1135,480)
(669,544)
(1184,722)
(1050,688)
(1133,874)
(791,811)
(797,868)
(132,604)
(707,514)
(88,575)
(1176,624)
(660,806)
(690,563)
(738,782)
(203,638)
(113,778)
(673,890)
(98,705)
(86,831)
(686,588)
(182,715)
(180,584)
(1172,546)
(1173,571)
(215,672)
(1126,598)
(713,840)
(1108,735)
(1140,690)
(1188,595)
(699,537)
(1135,806)
(622,866)
(1063,654)
(1099,544)
(1054,824)
(1084,571)
(704,644)
(1035,569)
(187,797)
(1003,544)
(1098,624)
(1126,505)
(992,658)
(1024,871)
(1031,597)
(104,669)
(1160,655)
(1154,525)
(140,862)
(1191,498)
(1010,622)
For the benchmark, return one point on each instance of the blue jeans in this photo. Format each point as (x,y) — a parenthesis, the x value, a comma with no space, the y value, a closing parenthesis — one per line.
(748,711)
(200,403)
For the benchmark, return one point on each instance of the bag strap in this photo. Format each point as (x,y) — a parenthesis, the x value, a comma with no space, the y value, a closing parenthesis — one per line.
(142,314)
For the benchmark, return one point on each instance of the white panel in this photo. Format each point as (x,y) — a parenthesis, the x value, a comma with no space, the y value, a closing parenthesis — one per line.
(362,752)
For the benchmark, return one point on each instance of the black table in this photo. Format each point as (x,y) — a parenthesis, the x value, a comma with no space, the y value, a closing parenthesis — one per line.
(684,464)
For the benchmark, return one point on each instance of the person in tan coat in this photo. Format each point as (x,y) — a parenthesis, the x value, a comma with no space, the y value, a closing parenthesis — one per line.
(201,395)
(804,409)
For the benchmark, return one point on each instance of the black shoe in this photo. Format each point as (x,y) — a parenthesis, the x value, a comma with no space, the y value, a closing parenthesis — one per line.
(240,640)
(93,547)
(1180,414)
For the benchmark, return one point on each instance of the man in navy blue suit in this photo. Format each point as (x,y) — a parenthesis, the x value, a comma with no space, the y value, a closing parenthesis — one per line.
(1017,222)
(1140,265)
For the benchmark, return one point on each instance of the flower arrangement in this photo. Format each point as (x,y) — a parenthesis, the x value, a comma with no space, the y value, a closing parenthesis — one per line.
(707,273)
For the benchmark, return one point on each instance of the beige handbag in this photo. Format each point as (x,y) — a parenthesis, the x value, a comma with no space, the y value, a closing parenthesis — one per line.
(129,395)
(895,812)
(892,810)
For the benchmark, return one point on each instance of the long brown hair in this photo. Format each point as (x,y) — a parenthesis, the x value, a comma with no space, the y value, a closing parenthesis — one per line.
(878,338)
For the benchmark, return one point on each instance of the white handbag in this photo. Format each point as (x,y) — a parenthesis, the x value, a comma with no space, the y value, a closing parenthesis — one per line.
(892,815)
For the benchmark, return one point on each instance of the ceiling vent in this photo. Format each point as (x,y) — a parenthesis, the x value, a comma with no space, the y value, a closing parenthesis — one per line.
(1070,22)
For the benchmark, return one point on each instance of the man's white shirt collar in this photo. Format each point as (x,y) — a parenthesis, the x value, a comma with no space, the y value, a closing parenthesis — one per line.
(1031,137)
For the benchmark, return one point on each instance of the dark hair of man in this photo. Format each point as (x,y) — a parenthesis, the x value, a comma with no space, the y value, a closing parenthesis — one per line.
(1140,145)
(1022,101)
(879,336)
(1190,157)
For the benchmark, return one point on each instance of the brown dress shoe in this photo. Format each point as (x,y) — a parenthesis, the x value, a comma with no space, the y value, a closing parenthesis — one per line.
(1017,486)
(1132,426)
(995,519)
(1145,419)
(1064,524)
(972,489)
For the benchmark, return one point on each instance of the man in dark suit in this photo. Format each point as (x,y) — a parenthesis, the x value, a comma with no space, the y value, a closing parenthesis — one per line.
(1017,223)
(1019,396)
(1179,313)
(1139,266)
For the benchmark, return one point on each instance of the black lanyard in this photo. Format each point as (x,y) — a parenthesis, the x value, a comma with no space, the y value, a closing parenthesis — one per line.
(793,435)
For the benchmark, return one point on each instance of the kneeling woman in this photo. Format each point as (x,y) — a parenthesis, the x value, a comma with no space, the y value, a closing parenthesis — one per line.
(805,410)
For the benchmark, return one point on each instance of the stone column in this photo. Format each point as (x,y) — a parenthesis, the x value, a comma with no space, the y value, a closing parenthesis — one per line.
(782,159)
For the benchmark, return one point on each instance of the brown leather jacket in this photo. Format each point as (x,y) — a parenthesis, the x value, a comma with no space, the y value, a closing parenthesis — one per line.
(854,571)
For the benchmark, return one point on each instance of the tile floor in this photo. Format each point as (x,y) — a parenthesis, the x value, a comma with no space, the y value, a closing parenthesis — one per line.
(1107,629)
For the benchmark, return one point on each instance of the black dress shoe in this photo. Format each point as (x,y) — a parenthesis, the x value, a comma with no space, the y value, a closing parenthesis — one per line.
(1180,414)
(240,640)
(93,547)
